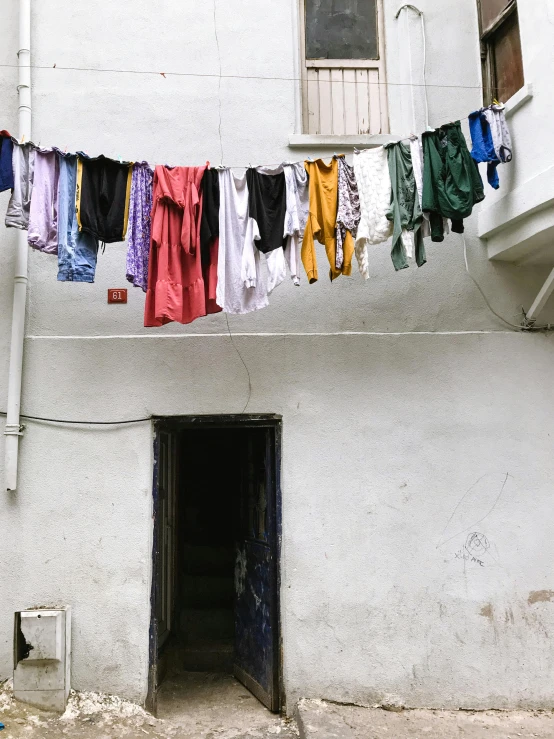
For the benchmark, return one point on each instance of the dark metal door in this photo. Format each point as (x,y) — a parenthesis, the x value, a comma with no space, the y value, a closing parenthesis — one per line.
(256,572)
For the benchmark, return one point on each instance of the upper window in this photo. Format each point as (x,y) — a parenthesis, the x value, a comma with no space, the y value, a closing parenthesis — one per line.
(341,29)
(344,84)
(500,49)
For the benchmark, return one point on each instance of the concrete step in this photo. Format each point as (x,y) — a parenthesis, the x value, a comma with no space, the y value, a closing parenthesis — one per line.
(205,624)
(206,591)
(208,657)
(206,559)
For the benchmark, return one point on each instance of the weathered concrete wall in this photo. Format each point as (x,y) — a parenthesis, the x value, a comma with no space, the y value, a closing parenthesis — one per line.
(430,424)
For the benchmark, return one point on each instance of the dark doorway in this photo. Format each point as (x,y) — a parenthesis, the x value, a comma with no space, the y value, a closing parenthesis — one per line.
(215,605)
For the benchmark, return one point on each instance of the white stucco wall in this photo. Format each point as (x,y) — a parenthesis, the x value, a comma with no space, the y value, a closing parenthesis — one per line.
(384,431)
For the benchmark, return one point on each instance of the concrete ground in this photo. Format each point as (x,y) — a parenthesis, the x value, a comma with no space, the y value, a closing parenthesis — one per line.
(190,706)
(321,720)
(207,706)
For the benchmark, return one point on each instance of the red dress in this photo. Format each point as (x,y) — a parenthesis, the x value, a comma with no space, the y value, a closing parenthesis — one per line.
(176,290)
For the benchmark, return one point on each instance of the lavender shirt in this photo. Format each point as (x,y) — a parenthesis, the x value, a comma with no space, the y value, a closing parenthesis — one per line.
(43,215)
(140,208)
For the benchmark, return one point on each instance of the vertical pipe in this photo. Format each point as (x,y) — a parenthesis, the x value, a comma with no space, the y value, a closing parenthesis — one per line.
(13,430)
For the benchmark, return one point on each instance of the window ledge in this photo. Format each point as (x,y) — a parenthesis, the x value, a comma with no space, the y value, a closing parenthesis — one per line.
(518,100)
(303,141)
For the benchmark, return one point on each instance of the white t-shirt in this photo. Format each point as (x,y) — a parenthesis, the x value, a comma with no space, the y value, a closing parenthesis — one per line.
(298,201)
(236,232)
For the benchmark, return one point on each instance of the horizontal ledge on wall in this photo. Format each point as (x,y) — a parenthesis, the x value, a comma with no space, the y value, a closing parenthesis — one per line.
(264,335)
(519,227)
(302,140)
(519,99)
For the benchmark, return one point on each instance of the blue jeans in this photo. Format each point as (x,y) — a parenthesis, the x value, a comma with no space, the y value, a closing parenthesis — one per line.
(77,251)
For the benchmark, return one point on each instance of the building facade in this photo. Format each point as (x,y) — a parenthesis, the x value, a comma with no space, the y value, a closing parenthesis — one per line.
(416,553)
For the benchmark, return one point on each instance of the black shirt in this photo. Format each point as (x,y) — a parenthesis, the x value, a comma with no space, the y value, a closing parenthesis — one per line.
(209,223)
(267,204)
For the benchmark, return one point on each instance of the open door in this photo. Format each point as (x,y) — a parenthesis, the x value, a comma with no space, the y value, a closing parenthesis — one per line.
(256,662)
(213,522)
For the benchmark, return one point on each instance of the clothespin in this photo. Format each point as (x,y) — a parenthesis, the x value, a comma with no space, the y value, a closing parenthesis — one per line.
(120,158)
(309,159)
(22,139)
(495,101)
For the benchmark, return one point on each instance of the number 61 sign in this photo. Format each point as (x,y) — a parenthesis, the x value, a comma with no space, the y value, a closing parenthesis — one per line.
(117,295)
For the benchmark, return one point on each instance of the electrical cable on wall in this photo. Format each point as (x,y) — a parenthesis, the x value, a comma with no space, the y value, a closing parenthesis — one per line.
(525,324)
(63,421)
(419,12)
(244,363)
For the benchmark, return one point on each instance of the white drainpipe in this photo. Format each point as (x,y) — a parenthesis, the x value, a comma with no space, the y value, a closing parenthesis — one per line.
(13,428)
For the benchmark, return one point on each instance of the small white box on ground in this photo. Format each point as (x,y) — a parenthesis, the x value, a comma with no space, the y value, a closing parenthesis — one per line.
(42,657)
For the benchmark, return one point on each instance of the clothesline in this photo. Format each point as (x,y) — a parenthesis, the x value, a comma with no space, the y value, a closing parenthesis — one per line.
(351,147)
(202,239)
(236,76)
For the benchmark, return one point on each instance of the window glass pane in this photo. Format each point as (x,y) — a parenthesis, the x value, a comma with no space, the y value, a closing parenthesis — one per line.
(490,10)
(341,29)
(508,64)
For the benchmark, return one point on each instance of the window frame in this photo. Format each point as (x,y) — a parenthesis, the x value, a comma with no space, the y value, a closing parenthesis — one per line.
(490,81)
(377,64)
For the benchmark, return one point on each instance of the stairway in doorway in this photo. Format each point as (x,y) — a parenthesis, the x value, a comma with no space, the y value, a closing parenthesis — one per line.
(206,618)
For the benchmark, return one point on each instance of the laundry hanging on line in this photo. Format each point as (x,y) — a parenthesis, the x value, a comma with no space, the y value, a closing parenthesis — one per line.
(6,166)
(202,239)
(491,140)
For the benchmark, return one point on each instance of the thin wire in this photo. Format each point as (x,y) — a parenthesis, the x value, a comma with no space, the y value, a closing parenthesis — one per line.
(244,363)
(232,76)
(82,423)
(424,70)
(219,82)
(524,326)
(411,72)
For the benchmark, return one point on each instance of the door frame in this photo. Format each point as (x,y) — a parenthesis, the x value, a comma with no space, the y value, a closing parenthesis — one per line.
(226,421)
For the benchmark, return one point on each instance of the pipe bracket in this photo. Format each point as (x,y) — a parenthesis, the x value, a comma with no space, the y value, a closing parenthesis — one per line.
(14,429)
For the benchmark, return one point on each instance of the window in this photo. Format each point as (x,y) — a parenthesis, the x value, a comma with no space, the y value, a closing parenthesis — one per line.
(342,68)
(500,49)
(341,29)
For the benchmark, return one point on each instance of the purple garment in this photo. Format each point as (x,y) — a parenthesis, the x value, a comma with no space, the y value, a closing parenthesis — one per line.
(43,213)
(140,209)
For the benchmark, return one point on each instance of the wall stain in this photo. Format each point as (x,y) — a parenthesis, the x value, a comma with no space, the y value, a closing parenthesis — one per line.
(540,596)
(487,612)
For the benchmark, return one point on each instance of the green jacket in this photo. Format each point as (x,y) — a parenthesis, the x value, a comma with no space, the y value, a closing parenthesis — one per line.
(452,184)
